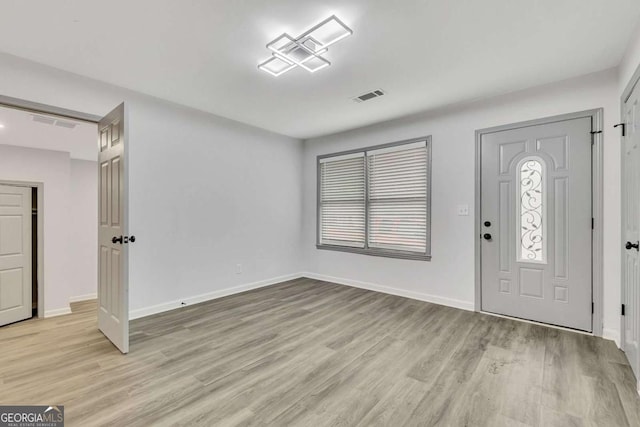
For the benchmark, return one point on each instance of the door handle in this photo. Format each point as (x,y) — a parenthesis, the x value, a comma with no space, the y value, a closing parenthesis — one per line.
(487,236)
(115,240)
(630,245)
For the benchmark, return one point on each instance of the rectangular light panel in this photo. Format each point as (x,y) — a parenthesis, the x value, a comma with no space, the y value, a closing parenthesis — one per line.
(306,50)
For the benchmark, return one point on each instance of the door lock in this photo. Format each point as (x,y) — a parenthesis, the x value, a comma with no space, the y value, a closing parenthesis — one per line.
(630,246)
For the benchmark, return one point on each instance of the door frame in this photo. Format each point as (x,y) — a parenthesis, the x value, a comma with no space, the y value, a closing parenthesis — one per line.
(596,116)
(40,243)
(626,93)
(36,107)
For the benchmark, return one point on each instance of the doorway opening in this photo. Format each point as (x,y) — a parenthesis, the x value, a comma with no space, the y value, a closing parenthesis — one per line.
(20,251)
(38,151)
(103,230)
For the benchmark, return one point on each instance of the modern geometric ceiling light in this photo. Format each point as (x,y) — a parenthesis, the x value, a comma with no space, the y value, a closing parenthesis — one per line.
(306,50)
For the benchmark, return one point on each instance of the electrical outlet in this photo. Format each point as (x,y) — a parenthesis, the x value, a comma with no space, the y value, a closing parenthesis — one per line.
(238,268)
(463,210)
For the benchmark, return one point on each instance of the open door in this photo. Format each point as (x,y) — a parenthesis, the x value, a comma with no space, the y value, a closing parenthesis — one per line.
(113,287)
(630,332)
(15,254)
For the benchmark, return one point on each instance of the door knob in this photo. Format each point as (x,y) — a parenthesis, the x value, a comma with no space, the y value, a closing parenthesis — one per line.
(115,240)
(487,236)
(635,245)
(487,223)
(129,239)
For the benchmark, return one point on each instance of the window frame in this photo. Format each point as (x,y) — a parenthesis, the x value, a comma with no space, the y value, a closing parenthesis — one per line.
(389,253)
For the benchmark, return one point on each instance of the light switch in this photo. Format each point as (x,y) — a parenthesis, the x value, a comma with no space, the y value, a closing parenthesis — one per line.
(463,210)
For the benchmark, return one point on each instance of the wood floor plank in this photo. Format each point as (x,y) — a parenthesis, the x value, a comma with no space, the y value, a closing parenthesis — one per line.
(307,352)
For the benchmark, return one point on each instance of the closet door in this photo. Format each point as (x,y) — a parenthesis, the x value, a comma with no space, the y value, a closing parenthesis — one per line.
(15,254)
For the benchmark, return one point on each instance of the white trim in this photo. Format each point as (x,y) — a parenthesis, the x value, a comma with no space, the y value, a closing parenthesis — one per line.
(175,304)
(611,334)
(81,298)
(39,186)
(57,312)
(449,302)
(184,302)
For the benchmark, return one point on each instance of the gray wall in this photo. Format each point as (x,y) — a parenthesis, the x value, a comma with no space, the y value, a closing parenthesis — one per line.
(83,230)
(205,193)
(449,277)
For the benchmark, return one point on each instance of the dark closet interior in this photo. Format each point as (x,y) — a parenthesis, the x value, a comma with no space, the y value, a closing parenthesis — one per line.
(34,252)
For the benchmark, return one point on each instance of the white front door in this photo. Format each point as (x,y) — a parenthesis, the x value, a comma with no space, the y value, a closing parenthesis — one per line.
(630,230)
(536,219)
(113,290)
(15,254)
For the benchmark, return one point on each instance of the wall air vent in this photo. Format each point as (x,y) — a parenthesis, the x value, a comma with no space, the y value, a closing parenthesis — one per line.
(369,95)
(53,121)
(63,124)
(44,119)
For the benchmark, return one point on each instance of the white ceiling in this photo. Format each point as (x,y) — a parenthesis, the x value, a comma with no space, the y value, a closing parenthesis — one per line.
(21,130)
(424,54)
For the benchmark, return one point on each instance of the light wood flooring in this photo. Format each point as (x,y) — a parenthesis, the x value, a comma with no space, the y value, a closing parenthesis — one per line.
(312,353)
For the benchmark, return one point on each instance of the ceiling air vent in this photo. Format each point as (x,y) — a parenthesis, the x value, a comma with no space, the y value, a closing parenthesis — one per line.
(53,121)
(369,95)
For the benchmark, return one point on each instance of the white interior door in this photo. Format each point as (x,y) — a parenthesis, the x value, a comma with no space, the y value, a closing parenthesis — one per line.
(630,230)
(15,254)
(537,223)
(113,290)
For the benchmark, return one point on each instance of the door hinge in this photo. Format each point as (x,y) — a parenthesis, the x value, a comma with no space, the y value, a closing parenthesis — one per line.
(592,308)
(593,223)
(623,309)
(623,128)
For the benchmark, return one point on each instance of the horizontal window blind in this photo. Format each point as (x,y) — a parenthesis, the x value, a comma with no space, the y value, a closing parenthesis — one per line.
(397,198)
(342,201)
(376,201)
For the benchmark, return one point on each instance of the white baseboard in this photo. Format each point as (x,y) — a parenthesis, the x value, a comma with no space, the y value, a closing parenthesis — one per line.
(57,312)
(611,334)
(86,297)
(172,305)
(450,302)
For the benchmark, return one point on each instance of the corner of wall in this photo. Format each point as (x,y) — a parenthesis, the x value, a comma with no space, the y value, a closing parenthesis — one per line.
(611,334)
(57,312)
(630,61)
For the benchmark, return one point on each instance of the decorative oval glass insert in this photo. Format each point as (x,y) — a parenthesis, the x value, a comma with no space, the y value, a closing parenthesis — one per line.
(531,211)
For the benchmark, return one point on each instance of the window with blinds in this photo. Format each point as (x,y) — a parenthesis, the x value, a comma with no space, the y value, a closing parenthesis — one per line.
(376,200)
(342,201)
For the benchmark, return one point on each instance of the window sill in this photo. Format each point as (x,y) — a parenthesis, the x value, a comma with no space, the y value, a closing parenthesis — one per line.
(377,252)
